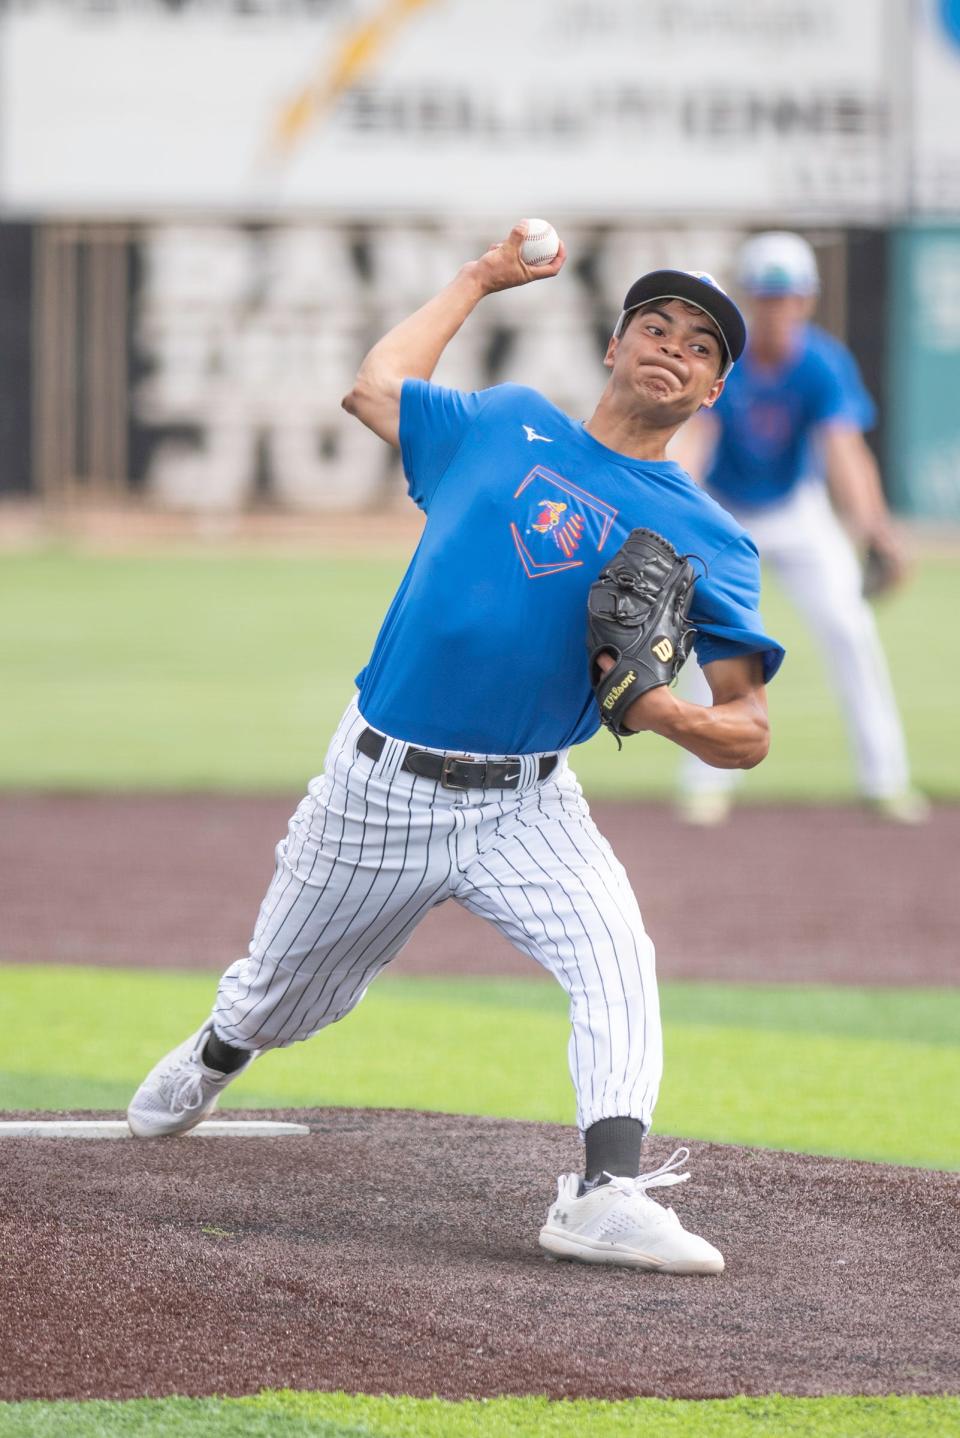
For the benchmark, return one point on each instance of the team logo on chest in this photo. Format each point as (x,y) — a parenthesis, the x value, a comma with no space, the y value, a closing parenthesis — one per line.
(552,523)
(565,529)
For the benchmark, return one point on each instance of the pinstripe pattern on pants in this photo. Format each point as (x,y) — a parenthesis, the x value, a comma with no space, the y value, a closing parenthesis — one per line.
(371,849)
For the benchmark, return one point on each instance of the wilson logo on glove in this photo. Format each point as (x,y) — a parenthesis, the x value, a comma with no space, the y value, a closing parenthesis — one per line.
(663,649)
(619,689)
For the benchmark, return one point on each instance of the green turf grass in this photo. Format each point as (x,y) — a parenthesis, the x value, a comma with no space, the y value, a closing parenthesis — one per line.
(856,1072)
(229,672)
(339,1415)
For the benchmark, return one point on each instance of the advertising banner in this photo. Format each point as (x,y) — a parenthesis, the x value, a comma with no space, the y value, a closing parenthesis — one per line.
(767,108)
(936,108)
(244,338)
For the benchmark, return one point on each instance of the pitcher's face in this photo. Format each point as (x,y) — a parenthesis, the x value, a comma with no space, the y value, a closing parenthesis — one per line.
(667,361)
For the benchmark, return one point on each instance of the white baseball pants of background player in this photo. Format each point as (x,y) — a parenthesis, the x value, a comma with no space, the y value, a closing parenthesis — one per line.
(805,545)
(372,848)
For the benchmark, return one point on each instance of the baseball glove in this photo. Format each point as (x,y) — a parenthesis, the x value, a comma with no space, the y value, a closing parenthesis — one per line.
(637,613)
(881,572)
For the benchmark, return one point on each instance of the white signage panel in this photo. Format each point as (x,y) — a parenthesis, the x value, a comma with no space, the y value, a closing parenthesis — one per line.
(745,107)
(936,108)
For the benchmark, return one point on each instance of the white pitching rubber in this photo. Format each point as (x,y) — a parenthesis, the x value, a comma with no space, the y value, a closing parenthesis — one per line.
(118,1128)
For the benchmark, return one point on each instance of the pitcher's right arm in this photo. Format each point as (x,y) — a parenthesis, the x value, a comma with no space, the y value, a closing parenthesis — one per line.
(412,349)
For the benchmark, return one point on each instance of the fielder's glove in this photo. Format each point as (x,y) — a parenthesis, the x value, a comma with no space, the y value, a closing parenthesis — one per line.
(882,571)
(637,613)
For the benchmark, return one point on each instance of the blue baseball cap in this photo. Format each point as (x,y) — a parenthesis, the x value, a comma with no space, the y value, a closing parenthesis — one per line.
(695,287)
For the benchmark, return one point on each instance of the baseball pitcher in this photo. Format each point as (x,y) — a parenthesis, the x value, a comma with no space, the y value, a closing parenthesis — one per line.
(565,568)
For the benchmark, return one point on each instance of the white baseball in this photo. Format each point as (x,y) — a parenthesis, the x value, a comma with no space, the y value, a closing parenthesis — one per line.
(541,244)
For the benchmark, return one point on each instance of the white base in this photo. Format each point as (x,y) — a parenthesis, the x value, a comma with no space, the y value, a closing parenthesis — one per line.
(118,1128)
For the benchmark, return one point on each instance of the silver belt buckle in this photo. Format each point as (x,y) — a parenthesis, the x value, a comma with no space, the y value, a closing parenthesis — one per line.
(447,779)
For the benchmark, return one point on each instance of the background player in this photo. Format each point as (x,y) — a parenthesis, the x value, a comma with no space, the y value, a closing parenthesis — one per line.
(791,417)
(448,776)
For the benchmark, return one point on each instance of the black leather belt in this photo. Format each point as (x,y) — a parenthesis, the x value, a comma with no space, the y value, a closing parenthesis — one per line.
(455,773)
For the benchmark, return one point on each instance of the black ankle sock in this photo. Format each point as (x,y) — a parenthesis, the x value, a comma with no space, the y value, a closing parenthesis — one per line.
(613,1146)
(223,1057)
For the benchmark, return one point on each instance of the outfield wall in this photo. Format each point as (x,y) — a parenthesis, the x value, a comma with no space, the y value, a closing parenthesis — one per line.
(199,365)
(209,210)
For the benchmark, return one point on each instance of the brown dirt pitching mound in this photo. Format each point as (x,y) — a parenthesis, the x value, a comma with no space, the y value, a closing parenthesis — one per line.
(395,1252)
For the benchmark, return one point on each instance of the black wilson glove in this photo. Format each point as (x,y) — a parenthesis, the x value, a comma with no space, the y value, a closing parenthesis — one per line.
(637,613)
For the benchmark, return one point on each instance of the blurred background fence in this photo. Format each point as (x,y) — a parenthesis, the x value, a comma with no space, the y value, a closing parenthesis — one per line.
(210,209)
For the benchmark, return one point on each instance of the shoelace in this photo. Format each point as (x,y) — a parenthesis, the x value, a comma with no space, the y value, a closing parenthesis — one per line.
(190,1095)
(661,1177)
(182,1091)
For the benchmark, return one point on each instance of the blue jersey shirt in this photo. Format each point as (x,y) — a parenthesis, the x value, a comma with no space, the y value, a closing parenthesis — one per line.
(768,419)
(483,648)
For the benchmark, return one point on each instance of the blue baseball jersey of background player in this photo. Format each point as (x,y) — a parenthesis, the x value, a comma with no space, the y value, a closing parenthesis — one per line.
(768,420)
(483,649)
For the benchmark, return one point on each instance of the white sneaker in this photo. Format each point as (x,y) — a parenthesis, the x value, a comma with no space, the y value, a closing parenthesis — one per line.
(617,1223)
(907,807)
(180,1091)
(706,808)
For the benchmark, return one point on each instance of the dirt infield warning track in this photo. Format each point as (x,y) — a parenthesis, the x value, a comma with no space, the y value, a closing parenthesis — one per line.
(809,893)
(396,1252)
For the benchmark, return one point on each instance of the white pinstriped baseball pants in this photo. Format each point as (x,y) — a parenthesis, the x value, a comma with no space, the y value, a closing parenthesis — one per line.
(804,543)
(372,849)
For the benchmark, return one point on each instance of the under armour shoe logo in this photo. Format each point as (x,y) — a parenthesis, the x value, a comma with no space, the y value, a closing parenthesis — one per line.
(531,434)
